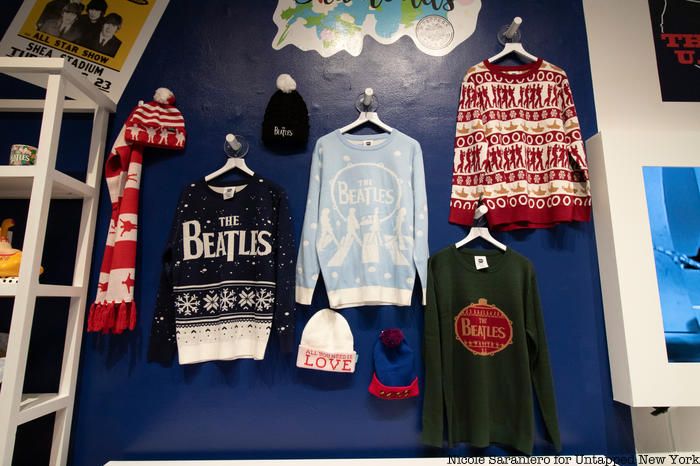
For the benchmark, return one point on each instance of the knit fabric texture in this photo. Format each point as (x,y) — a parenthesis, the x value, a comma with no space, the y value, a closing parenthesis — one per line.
(327,343)
(518,148)
(394,375)
(485,349)
(286,123)
(228,273)
(155,124)
(366,222)
(114,309)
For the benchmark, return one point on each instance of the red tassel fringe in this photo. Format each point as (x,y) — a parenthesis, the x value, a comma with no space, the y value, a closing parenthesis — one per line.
(132,316)
(120,325)
(109,318)
(112,317)
(91,318)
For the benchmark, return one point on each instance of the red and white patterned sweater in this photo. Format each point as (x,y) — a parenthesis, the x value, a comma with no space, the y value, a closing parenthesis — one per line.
(518,148)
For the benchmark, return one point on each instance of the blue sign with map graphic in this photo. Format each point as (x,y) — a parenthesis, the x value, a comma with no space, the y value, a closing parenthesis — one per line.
(329,26)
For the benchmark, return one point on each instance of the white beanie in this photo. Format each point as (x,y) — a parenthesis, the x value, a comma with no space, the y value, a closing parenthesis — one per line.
(327,343)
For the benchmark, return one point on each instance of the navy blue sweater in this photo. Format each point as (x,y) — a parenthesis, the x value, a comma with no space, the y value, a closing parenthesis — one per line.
(228,275)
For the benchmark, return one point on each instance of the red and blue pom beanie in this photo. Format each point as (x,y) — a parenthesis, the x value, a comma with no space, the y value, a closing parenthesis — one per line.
(394,374)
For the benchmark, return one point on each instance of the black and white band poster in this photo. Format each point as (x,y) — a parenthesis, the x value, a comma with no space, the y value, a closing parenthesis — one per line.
(103,39)
(676,27)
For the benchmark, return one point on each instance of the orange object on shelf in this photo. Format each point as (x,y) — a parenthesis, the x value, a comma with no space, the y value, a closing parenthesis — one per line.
(10,258)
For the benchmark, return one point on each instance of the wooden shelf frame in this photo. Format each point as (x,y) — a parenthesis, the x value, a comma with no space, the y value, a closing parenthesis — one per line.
(37,69)
(17,183)
(41,183)
(45,291)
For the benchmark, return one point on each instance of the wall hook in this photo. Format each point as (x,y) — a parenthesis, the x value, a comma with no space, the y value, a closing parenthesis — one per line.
(235,146)
(367,101)
(511,32)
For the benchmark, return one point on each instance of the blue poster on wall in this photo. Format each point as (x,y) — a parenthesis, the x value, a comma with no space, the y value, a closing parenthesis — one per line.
(676,27)
(673,194)
(329,26)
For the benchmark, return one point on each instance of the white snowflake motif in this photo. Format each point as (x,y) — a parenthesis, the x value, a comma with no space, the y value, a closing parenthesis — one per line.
(499,177)
(488,180)
(504,116)
(521,114)
(511,177)
(513,113)
(186,304)
(492,115)
(246,298)
(460,180)
(553,113)
(211,302)
(226,299)
(263,300)
(521,175)
(536,115)
(537,178)
(545,178)
(569,113)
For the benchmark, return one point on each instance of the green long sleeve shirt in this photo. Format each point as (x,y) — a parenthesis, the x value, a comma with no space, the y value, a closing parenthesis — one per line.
(485,348)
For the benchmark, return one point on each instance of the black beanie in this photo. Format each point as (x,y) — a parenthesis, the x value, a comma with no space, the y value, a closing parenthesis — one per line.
(286,123)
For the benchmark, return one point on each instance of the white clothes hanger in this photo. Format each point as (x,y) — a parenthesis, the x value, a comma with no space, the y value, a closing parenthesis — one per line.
(367,116)
(235,161)
(480,232)
(513,47)
(511,34)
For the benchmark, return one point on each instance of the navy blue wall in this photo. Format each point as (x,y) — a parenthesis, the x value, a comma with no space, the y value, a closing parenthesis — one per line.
(217,58)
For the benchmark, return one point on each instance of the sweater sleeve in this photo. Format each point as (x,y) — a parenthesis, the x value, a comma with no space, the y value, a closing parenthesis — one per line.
(539,361)
(572,134)
(163,343)
(469,164)
(420,220)
(308,265)
(284,290)
(433,399)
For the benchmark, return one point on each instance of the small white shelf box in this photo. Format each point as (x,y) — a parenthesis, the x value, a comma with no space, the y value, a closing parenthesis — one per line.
(641,373)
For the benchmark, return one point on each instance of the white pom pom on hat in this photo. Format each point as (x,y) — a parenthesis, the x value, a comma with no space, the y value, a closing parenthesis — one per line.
(286,83)
(164,95)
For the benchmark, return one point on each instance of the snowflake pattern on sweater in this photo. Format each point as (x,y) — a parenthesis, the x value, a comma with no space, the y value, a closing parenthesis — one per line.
(518,148)
(228,276)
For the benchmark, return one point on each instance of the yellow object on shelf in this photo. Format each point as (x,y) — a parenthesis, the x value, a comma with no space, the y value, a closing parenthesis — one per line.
(10,258)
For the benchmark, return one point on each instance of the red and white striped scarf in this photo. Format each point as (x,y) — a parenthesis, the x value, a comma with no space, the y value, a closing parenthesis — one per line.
(153,124)
(114,309)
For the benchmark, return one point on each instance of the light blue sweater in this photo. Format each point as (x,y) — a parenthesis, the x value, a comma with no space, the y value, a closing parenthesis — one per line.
(366,222)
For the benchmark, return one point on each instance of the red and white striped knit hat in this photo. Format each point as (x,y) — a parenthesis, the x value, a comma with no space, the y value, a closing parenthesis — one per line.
(157,123)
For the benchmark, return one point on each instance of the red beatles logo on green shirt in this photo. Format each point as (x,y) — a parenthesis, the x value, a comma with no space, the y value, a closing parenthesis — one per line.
(483,328)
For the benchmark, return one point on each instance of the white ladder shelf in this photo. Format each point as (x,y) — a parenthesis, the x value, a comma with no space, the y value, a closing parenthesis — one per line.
(41,183)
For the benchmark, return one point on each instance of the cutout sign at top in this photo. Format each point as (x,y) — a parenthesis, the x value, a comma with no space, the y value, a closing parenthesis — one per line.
(329,26)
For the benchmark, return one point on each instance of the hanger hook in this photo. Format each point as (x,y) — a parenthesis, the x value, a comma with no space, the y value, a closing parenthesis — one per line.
(235,146)
(479,219)
(510,32)
(367,101)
